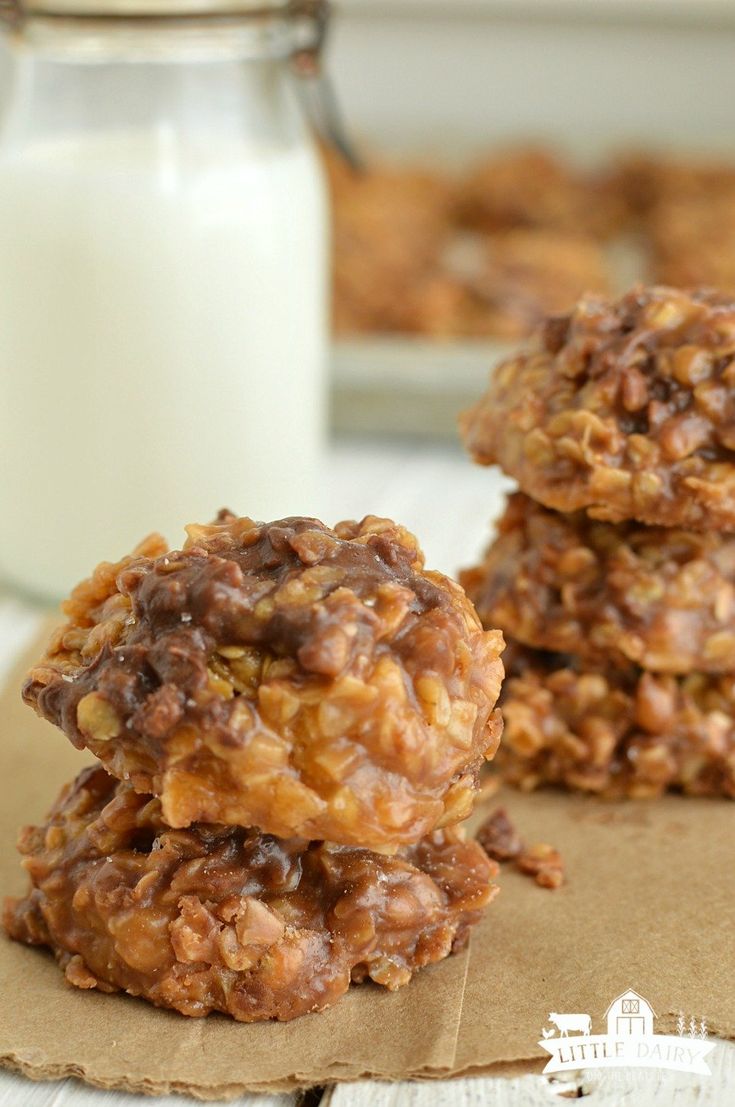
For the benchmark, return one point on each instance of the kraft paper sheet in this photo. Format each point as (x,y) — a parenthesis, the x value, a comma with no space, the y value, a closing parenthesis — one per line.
(649,904)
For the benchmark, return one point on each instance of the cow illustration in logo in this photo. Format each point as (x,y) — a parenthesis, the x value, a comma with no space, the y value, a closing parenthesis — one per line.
(565,1023)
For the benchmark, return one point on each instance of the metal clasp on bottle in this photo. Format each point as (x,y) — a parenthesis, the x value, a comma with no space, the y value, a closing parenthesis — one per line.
(312,18)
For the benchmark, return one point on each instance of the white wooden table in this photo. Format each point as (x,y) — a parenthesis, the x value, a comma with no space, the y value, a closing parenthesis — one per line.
(448,502)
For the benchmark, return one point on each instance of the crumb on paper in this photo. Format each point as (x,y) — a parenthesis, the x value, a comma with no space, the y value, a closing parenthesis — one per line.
(543,862)
(498,836)
(501,841)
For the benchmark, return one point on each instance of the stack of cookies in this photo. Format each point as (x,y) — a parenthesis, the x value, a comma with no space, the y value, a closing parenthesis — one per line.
(613,570)
(289,723)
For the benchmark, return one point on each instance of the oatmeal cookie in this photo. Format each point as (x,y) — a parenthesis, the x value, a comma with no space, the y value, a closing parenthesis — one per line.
(390,226)
(619,733)
(504,285)
(311,682)
(530,186)
(217,918)
(625,408)
(659,597)
(647,180)
(525,275)
(692,242)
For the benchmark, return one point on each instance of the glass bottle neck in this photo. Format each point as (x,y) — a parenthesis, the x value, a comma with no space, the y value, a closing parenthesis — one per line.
(155,40)
(218,79)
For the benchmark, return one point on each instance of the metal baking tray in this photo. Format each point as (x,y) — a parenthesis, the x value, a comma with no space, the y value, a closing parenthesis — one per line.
(408,386)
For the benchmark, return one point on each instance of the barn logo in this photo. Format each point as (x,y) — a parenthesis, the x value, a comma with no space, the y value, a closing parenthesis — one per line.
(630,1040)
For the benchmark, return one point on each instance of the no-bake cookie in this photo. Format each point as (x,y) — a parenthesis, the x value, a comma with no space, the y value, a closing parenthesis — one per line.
(306,681)
(645,181)
(522,276)
(531,186)
(624,408)
(229,919)
(390,226)
(692,242)
(663,598)
(417,252)
(619,732)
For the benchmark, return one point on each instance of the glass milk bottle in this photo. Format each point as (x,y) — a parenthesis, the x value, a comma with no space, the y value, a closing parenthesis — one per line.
(163,278)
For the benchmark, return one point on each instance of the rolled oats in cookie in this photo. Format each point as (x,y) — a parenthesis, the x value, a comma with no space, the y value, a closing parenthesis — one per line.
(390,228)
(624,408)
(692,241)
(311,682)
(616,733)
(524,275)
(530,186)
(216,918)
(659,597)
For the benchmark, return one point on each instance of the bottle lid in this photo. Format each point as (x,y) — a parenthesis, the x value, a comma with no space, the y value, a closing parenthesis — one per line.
(105,9)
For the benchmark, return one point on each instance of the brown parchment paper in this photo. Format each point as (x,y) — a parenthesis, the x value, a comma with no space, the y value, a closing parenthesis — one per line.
(649,904)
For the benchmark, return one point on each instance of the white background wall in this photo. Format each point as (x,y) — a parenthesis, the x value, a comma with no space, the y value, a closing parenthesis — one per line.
(451,75)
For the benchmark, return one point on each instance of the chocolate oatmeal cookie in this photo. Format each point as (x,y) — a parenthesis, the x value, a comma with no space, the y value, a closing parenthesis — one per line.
(525,275)
(624,408)
(311,682)
(692,242)
(647,180)
(531,186)
(217,918)
(390,226)
(623,732)
(660,597)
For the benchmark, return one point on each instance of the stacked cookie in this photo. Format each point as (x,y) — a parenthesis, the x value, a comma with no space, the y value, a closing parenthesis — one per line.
(290,722)
(613,570)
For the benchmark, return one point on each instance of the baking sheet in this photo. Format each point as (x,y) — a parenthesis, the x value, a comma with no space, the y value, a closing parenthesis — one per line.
(649,904)
(408,386)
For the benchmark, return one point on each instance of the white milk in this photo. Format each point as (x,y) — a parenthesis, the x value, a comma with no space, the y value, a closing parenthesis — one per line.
(162,343)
